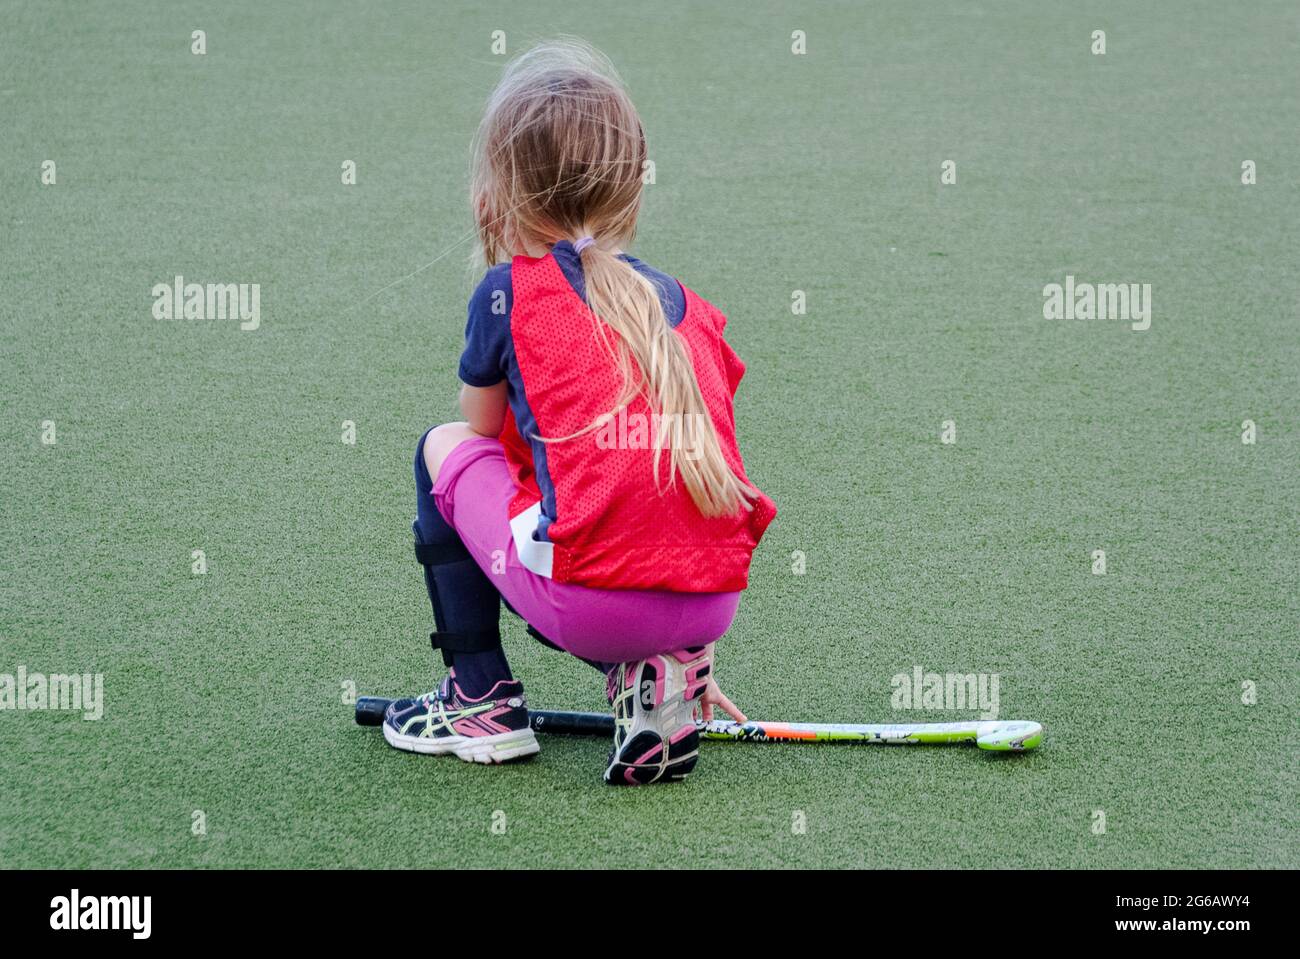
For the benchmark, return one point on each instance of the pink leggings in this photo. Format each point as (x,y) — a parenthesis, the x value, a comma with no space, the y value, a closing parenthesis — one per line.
(473,492)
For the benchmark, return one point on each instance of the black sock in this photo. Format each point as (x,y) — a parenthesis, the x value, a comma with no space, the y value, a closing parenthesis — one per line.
(477,673)
(597,664)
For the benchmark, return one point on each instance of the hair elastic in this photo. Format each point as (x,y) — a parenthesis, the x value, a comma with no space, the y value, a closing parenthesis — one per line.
(583,243)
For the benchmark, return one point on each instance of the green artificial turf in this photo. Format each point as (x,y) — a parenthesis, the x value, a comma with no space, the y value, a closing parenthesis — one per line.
(774,173)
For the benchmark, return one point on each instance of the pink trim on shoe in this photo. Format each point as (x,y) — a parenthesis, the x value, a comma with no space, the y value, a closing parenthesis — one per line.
(658,748)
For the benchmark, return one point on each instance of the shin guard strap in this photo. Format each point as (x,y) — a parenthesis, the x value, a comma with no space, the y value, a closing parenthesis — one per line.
(439,554)
(468,642)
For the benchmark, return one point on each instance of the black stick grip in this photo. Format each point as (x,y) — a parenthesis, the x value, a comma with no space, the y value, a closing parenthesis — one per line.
(571,724)
(371,709)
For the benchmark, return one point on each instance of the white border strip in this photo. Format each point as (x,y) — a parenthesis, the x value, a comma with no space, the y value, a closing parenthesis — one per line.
(535,554)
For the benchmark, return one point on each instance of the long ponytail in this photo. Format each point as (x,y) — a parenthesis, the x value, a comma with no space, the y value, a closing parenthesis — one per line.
(654,362)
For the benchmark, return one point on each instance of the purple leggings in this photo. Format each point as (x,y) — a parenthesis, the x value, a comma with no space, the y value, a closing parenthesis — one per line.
(473,492)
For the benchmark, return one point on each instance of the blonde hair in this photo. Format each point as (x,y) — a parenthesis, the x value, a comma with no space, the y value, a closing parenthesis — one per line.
(559,155)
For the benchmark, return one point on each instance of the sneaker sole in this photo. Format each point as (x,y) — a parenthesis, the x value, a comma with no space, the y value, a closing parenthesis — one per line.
(499,748)
(664,743)
(639,764)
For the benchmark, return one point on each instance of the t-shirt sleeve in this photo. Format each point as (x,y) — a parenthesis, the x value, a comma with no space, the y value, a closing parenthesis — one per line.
(487,331)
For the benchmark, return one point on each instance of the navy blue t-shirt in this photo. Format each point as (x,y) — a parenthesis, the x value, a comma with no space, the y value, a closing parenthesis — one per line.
(489,355)
(488,352)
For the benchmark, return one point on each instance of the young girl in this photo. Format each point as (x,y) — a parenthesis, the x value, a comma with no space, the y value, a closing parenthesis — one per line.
(595,485)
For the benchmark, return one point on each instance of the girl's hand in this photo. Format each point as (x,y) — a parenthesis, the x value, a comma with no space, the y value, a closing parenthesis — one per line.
(713,697)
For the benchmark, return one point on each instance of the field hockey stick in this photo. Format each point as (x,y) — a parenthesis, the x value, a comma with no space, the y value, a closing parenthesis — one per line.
(1003,735)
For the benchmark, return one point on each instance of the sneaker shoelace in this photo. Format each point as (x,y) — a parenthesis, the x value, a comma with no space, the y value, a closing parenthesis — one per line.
(441,694)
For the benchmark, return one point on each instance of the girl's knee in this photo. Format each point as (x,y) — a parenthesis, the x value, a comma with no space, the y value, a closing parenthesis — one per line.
(437,443)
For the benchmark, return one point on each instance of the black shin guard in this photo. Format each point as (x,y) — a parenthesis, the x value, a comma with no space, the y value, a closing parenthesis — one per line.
(466,606)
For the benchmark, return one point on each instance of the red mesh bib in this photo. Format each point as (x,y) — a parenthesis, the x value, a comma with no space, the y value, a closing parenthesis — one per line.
(613,528)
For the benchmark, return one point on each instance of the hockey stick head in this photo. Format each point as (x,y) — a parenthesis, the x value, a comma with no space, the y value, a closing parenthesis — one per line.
(1008,735)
